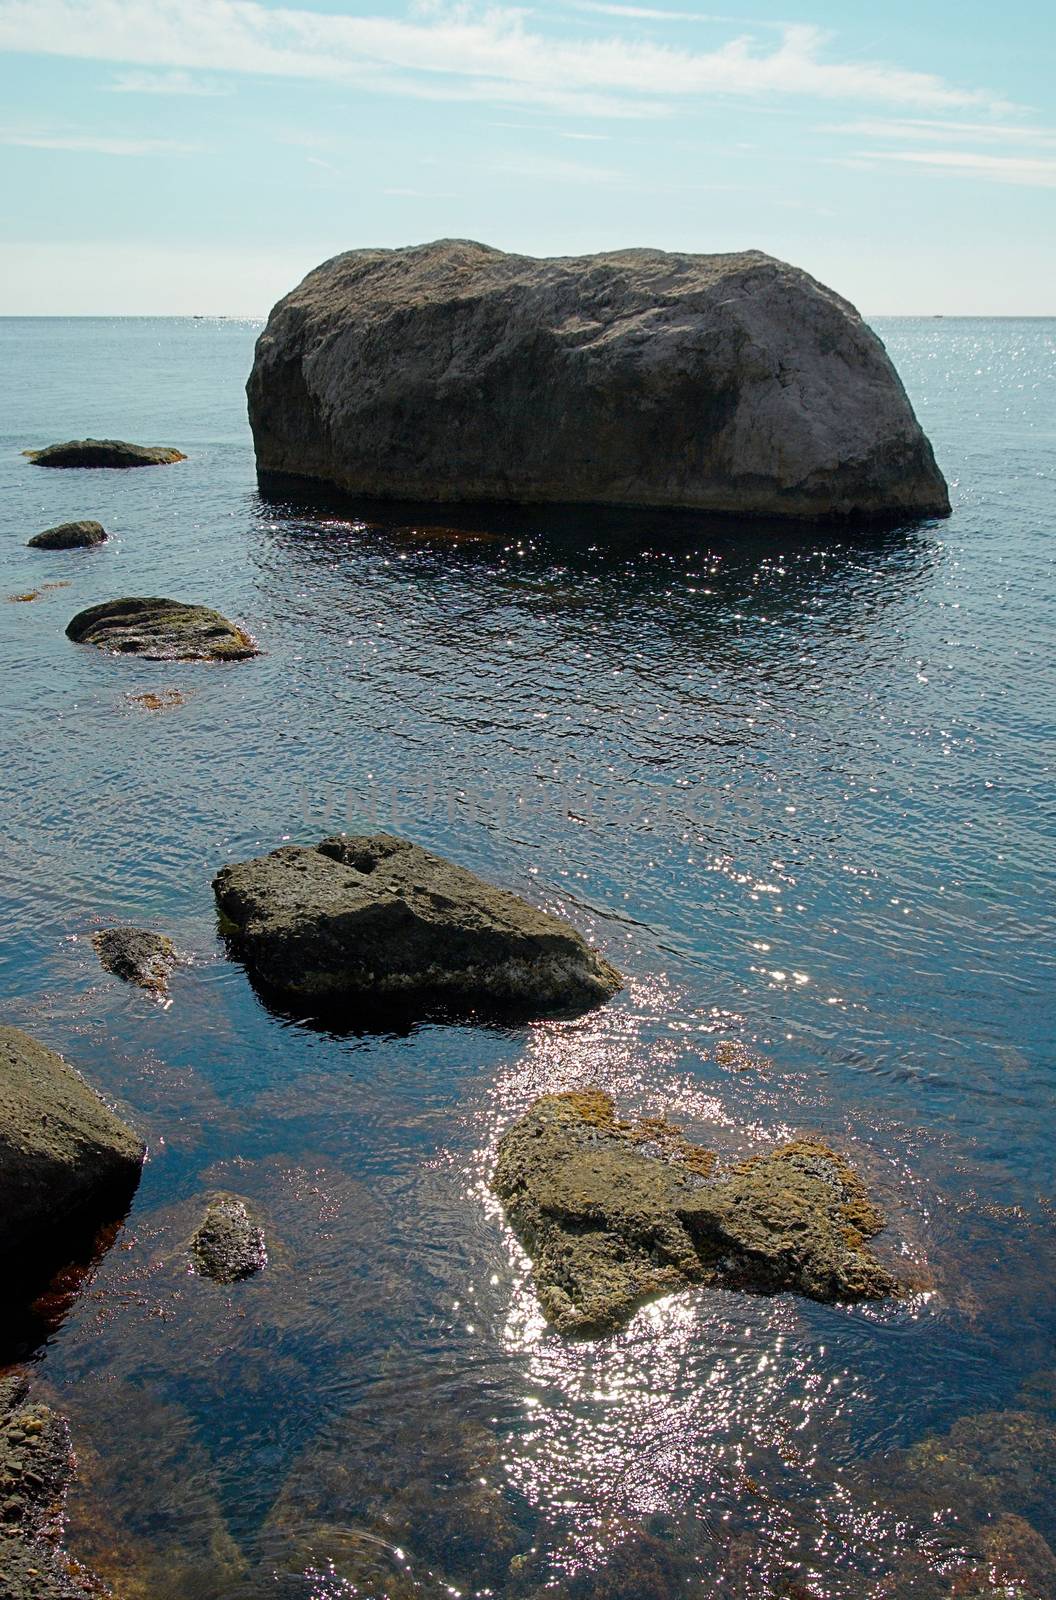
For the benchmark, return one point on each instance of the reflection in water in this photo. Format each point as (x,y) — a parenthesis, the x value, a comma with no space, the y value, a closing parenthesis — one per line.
(792,782)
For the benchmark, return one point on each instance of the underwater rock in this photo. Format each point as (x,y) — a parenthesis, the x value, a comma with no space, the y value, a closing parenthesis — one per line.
(229,1244)
(36,1467)
(613,1213)
(65,1158)
(989,1462)
(137,956)
(455,372)
(69,536)
(104,453)
(161,630)
(378,919)
(1020,1561)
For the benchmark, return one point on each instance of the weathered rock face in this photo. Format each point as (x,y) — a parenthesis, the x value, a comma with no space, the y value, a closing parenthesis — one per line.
(65,1158)
(229,1245)
(376,919)
(69,536)
(104,453)
(161,630)
(137,956)
(36,1466)
(451,371)
(613,1213)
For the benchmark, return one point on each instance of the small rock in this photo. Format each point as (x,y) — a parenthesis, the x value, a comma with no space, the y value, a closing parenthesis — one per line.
(229,1245)
(379,920)
(613,1213)
(69,536)
(136,955)
(104,453)
(161,630)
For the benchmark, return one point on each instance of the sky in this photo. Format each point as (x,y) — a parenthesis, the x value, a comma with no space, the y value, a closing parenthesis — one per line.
(200,156)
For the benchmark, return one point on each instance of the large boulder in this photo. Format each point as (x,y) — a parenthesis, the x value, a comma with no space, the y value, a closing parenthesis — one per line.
(104,453)
(161,630)
(376,919)
(66,1160)
(69,536)
(615,1212)
(451,371)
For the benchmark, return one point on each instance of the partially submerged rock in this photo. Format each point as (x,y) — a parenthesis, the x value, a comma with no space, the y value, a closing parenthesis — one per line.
(613,1213)
(161,630)
(136,955)
(455,372)
(104,453)
(36,1467)
(66,1160)
(229,1245)
(69,536)
(376,919)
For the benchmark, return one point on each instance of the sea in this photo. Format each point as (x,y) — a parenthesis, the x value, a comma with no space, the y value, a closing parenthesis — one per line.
(796,782)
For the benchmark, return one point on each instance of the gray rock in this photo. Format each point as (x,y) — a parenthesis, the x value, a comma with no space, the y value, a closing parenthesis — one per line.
(451,371)
(229,1245)
(104,453)
(69,536)
(161,630)
(378,919)
(614,1213)
(137,956)
(65,1158)
(36,1467)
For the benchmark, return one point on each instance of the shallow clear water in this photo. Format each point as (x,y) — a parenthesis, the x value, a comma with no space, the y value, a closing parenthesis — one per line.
(797,786)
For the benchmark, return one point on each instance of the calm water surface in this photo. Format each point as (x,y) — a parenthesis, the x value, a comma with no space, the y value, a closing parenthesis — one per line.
(797,786)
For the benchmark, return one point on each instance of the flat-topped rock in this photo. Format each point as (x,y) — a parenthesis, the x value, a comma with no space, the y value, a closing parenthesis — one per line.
(104,453)
(615,1212)
(69,536)
(455,372)
(65,1157)
(137,955)
(161,630)
(376,919)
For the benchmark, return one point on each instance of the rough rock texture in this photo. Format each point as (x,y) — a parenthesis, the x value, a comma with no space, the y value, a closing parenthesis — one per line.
(377,918)
(451,371)
(104,453)
(161,630)
(137,956)
(69,536)
(613,1213)
(229,1245)
(64,1156)
(988,1462)
(36,1466)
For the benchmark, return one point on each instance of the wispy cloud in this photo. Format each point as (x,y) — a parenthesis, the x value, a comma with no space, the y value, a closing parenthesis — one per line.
(175,82)
(552,169)
(94,144)
(421,194)
(925,128)
(492,56)
(1034,171)
(654,14)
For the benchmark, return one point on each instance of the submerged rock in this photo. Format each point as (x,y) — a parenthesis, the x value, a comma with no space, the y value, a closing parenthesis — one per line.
(137,956)
(69,536)
(229,1245)
(36,1467)
(613,1213)
(992,1461)
(452,371)
(65,1158)
(104,453)
(375,918)
(161,630)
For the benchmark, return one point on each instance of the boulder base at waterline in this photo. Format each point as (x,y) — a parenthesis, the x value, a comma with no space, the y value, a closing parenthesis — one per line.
(377,919)
(104,453)
(615,1212)
(69,536)
(161,630)
(722,383)
(64,1156)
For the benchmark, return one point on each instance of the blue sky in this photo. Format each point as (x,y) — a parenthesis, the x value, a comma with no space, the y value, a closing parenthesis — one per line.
(201,155)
